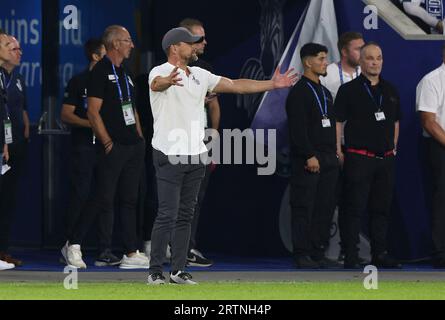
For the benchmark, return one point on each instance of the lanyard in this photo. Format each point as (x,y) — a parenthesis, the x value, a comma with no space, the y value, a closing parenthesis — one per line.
(119,86)
(325,113)
(373,98)
(7,85)
(6,94)
(340,71)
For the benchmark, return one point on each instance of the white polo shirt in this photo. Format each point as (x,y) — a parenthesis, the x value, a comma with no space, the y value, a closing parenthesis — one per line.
(333,81)
(430,95)
(177,111)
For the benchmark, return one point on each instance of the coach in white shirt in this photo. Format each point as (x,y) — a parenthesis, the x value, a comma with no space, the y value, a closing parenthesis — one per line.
(348,68)
(431,106)
(177,94)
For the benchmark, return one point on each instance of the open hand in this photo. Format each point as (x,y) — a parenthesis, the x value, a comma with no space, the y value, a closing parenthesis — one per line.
(284,80)
(173,78)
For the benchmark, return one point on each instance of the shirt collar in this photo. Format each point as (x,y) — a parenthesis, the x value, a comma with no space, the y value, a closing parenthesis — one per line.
(309,80)
(368,82)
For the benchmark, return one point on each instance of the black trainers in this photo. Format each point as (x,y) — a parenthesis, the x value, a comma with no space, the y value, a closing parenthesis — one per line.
(196,259)
(107,258)
(306,262)
(384,260)
(181,277)
(155,279)
(326,263)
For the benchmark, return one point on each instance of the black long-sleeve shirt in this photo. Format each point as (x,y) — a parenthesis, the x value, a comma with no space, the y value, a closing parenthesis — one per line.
(307,135)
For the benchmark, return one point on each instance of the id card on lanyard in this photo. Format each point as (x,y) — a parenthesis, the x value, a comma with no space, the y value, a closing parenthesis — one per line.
(379,114)
(325,121)
(127,107)
(7,123)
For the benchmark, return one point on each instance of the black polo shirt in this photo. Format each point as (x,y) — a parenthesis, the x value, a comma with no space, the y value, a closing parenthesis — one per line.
(355,105)
(3,100)
(102,84)
(16,103)
(307,134)
(76,95)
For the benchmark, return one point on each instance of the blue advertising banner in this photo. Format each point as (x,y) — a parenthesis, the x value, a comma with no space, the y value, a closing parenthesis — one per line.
(23,19)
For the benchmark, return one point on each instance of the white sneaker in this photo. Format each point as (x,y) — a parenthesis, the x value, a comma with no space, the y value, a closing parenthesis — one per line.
(73,256)
(6,266)
(181,277)
(137,261)
(147,250)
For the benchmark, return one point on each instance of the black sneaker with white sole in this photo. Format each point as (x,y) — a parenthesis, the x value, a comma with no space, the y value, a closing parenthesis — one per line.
(181,277)
(156,278)
(196,259)
(107,258)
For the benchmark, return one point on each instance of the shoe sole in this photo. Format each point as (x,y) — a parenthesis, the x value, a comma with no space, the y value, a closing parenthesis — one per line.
(156,283)
(181,284)
(127,266)
(194,264)
(106,264)
(7,268)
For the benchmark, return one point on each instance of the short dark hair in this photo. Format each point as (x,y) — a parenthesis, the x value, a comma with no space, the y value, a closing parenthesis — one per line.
(345,39)
(92,46)
(312,50)
(189,23)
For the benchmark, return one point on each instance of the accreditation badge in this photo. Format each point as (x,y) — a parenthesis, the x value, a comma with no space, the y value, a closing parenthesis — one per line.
(380,116)
(8,131)
(325,123)
(127,110)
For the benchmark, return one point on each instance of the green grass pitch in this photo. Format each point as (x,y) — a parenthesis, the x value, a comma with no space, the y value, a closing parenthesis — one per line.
(349,290)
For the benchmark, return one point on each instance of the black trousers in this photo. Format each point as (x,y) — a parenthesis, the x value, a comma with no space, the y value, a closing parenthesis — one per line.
(120,171)
(312,199)
(150,198)
(83,164)
(437,159)
(201,197)
(369,184)
(8,194)
(178,188)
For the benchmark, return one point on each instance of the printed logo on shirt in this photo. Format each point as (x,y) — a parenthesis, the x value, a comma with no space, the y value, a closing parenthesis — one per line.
(195,80)
(19,85)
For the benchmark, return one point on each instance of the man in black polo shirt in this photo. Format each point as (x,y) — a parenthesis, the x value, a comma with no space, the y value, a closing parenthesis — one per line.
(16,112)
(83,153)
(116,125)
(370,106)
(315,164)
(5,56)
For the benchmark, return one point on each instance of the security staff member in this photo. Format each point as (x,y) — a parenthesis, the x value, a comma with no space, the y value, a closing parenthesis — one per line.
(370,106)
(338,73)
(16,107)
(83,153)
(116,125)
(315,165)
(431,106)
(5,55)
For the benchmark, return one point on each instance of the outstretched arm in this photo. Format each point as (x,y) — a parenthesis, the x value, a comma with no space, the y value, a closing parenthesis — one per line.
(243,86)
